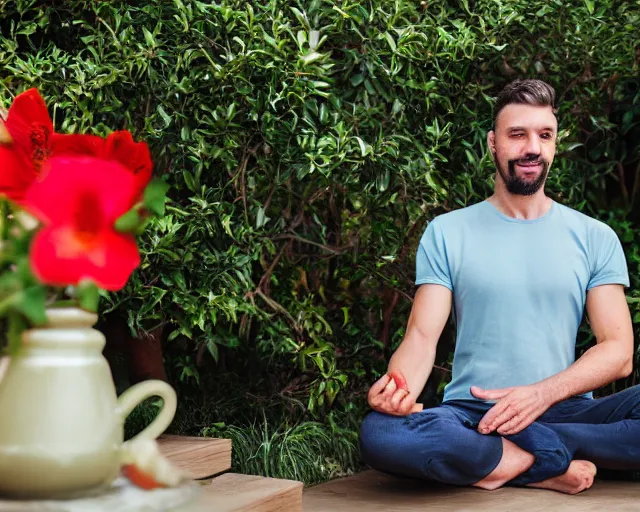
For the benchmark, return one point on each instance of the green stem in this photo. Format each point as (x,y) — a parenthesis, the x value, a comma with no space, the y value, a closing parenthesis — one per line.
(3,218)
(6,304)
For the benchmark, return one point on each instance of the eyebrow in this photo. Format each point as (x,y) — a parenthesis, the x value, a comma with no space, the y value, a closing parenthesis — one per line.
(522,128)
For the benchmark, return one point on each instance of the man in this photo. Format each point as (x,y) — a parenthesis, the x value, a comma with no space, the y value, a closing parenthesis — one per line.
(518,270)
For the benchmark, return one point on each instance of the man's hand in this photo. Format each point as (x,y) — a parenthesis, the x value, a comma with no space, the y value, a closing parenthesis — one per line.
(516,409)
(390,395)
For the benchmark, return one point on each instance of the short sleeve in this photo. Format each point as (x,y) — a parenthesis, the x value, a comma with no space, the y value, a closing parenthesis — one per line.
(432,266)
(609,265)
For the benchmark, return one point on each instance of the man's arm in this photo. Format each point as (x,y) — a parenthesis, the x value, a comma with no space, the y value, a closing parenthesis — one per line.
(610,359)
(416,354)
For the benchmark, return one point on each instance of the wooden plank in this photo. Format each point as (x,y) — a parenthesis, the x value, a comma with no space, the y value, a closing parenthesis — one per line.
(376,492)
(247,493)
(202,457)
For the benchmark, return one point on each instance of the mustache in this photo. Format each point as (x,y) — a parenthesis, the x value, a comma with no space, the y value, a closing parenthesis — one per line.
(528,159)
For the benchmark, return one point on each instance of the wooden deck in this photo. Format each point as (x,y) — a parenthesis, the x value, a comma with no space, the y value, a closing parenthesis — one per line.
(205,458)
(376,492)
(200,456)
(369,490)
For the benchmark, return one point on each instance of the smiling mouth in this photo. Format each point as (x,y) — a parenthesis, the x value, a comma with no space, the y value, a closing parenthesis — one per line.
(529,167)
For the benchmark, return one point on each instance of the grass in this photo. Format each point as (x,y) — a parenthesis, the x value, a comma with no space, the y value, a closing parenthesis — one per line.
(308,451)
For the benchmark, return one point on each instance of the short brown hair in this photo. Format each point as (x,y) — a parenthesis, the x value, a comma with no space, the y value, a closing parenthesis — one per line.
(525,92)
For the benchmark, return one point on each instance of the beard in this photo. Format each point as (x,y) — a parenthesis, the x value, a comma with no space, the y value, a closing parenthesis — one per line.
(517,185)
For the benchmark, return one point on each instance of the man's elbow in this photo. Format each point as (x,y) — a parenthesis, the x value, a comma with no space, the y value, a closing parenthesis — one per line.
(627,363)
(627,368)
(626,371)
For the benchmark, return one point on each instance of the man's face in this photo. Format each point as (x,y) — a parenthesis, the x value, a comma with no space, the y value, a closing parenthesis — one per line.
(523,146)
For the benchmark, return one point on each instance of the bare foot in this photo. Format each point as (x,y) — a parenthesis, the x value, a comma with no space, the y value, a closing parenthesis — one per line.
(578,478)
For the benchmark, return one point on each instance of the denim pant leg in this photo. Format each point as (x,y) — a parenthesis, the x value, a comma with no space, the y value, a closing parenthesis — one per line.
(435,444)
(552,458)
(605,431)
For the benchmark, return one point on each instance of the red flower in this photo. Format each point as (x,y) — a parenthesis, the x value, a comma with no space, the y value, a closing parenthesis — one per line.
(29,129)
(119,147)
(27,139)
(76,144)
(78,201)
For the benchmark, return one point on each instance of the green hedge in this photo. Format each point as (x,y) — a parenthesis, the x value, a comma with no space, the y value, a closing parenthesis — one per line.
(307,144)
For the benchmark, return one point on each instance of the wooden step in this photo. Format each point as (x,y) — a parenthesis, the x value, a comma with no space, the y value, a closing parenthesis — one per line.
(202,457)
(247,493)
(377,492)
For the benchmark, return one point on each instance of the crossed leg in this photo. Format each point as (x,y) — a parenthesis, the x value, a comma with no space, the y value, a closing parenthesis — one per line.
(515,462)
(557,452)
(443,444)
(605,431)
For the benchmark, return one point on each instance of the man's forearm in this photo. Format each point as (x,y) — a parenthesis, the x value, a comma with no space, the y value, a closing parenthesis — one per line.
(414,358)
(600,365)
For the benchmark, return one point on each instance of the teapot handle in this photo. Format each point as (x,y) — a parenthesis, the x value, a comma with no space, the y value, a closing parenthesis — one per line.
(136,394)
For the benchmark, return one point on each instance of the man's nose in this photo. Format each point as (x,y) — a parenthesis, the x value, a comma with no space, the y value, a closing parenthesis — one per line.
(533,146)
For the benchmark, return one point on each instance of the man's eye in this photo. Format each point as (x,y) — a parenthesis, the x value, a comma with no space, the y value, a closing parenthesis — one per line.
(546,136)
(517,134)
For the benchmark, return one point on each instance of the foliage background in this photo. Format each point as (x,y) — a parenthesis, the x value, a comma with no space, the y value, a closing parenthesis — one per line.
(307,145)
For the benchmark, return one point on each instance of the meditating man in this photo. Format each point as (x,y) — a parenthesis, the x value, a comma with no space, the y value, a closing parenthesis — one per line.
(518,270)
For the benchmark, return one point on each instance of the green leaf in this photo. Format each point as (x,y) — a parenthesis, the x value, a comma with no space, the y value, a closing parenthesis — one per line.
(390,41)
(149,37)
(311,57)
(345,314)
(356,79)
(129,222)
(155,196)
(364,147)
(165,117)
(590,6)
(189,180)
(88,295)
(31,303)
(213,350)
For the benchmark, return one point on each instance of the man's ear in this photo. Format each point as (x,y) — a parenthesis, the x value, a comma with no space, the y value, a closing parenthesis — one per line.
(491,141)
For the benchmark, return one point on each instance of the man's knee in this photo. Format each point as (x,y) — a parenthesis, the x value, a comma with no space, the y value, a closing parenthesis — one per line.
(434,444)
(388,441)
(407,444)
(377,434)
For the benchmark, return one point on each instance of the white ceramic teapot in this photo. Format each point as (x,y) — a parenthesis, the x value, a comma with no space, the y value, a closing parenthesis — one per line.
(61,425)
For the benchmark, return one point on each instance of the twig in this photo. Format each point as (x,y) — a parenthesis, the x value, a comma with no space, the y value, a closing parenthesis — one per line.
(263,284)
(387,315)
(333,250)
(240,171)
(623,184)
(277,307)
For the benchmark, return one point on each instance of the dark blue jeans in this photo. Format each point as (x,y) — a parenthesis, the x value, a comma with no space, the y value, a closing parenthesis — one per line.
(443,443)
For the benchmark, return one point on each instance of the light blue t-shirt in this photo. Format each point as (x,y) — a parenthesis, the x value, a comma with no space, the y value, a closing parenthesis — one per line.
(519,289)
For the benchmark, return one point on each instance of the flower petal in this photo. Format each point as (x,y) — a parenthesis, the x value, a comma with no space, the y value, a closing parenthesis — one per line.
(67,178)
(59,257)
(30,126)
(16,174)
(76,144)
(28,107)
(135,156)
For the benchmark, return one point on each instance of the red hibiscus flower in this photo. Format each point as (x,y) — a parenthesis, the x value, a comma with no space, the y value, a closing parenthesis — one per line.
(119,147)
(27,130)
(27,139)
(78,201)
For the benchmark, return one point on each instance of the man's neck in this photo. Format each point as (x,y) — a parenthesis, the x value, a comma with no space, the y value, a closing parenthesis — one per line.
(518,206)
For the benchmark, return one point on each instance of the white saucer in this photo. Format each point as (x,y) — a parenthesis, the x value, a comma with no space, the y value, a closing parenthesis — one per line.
(122,496)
